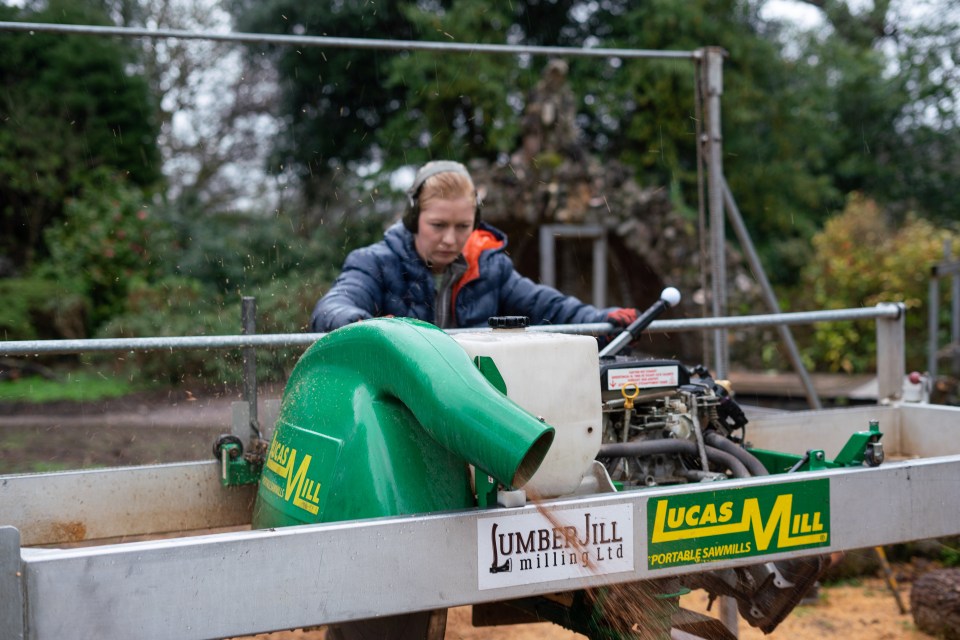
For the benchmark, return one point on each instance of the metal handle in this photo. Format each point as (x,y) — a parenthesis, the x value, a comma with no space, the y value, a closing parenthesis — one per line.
(669,297)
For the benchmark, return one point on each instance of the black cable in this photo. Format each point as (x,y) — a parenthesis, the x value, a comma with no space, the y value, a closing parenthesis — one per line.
(754,465)
(643,448)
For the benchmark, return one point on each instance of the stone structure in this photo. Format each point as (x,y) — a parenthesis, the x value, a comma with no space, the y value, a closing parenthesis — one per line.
(553,179)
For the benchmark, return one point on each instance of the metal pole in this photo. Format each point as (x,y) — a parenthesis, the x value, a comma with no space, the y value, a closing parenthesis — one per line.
(280,340)
(12,585)
(933,322)
(600,270)
(954,311)
(702,234)
(548,269)
(736,221)
(348,43)
(718,264)
(248,318)
(890,579)
(891,358)
(729,615)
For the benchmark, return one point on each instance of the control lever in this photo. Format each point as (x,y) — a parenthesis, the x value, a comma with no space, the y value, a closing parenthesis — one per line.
(669,297)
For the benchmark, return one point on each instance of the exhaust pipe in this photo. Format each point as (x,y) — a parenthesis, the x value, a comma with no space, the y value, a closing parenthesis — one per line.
(380,418)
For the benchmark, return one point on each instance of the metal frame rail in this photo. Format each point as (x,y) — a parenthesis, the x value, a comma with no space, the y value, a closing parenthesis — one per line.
(548,266)
(254,581)
(890,348)
(884,311)
(890,338)
(349,43)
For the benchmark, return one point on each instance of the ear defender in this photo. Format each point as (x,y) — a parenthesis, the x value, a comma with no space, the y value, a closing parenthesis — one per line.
(411,216)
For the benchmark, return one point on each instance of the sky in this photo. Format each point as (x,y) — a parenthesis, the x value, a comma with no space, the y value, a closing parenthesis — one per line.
(800,14)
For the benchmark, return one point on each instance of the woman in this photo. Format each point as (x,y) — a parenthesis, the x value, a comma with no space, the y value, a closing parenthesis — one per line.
(443,265)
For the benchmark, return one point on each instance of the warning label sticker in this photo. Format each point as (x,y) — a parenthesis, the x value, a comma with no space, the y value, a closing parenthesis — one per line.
(643,377)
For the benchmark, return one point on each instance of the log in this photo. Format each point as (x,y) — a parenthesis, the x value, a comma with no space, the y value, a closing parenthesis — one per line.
(935,603)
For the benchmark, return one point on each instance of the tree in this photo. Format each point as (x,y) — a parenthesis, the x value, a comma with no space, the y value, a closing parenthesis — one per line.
(349,108)
(458,105)
(215,106)
(109,239)
(925,164)
(806,119)
(892,101)
(332,100)
(645,114)
(465,106)
(69,107)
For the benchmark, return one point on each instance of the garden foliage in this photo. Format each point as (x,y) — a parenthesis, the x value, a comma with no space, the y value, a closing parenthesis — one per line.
(91,246)
(860,259)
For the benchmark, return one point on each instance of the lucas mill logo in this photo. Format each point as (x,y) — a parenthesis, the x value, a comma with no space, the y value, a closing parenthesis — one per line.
(292,470)
(738,522)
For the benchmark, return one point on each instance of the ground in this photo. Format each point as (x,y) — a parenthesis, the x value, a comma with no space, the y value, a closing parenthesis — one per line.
(865,609)
(152,427)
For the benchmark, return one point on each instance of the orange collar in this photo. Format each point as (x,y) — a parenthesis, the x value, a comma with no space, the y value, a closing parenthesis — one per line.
(479,241)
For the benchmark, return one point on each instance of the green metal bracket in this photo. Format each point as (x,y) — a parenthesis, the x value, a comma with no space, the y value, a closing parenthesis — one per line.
(488,368)
(486,486)
(857,451)
(816,460)
(235,468)
(862,448)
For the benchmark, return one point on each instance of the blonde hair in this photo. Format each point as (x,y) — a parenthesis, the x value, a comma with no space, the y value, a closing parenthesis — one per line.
(448,185)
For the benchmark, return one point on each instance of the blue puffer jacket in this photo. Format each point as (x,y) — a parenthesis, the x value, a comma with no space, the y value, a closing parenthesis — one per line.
(390,278)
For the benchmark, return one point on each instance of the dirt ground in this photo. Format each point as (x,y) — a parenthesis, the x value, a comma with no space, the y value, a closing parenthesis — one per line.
(142,428)
(866,609)
(175,426)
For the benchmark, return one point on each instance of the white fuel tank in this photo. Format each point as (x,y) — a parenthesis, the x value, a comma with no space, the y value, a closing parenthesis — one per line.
(554,376)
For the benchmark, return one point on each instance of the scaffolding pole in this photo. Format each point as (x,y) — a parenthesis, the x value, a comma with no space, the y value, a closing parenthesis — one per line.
(736,221)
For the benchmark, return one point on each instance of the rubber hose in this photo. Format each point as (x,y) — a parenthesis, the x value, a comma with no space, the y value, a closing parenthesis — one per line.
(638,449)
(754,465)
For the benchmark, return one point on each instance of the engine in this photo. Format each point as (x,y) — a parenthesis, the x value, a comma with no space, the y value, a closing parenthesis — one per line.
(665,424)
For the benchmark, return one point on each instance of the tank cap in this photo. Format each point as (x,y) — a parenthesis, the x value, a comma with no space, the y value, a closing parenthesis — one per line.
(508,322)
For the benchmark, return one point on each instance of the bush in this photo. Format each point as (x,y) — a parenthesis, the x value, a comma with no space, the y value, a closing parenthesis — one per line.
(178,306)
(197,290)
(37,308)
(235,253)
(170,307)
(860,261)
(108,240)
